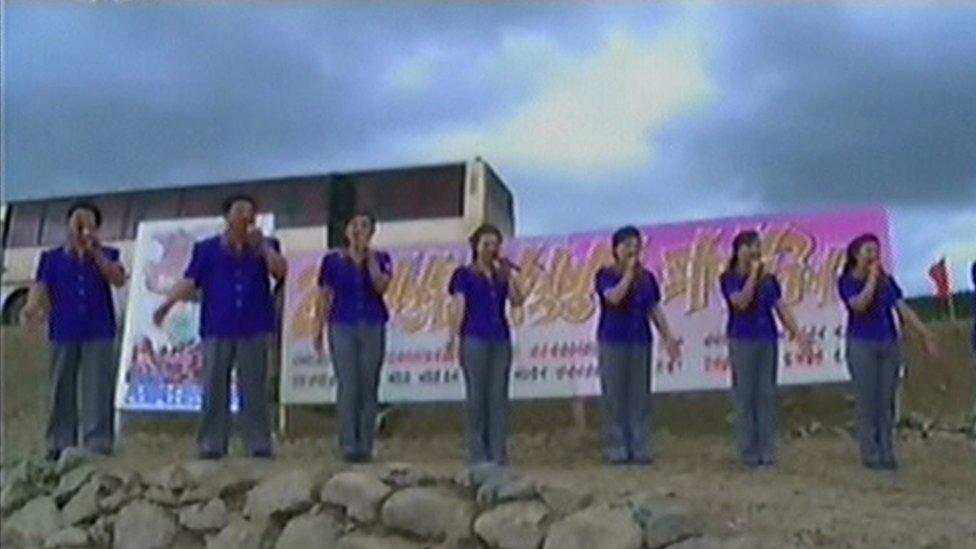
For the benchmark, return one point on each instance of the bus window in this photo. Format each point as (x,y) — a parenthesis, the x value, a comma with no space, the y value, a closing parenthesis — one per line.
(151,205)
(54,226)
(25,225)
(114,218)
(311,204)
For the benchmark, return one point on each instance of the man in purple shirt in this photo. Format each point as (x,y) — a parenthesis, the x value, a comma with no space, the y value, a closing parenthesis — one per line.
(872,299)
(629,301)
(352,282)
(752,294)
(74,281)
(479,294)
(231,270)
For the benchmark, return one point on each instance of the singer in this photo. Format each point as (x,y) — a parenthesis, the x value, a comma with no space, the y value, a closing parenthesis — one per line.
(231,270)
(629,301)
(73,282)
(352,282)
(478,320)
(752,293)
(872,299)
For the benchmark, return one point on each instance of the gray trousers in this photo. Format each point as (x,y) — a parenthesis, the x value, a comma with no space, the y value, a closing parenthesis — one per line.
(94,360)
(754,372)
(486,366)
(220,356)
(357,356)
(874,370)
(625,374)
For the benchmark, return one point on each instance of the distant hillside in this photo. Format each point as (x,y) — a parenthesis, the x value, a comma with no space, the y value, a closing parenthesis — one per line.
(931,308)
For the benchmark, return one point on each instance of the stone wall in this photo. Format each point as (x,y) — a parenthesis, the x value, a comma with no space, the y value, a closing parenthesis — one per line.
(205,504)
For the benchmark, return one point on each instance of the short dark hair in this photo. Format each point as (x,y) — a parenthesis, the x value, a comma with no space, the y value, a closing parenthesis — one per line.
(624,233)
(238,197)
(743,238)
(362,213)
(483,230)
(85,205)
(854,248)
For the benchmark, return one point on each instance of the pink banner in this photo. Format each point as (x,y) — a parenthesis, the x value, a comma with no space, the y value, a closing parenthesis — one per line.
(553,333)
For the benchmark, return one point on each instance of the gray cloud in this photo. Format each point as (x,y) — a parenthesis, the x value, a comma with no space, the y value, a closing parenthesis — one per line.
(824,106)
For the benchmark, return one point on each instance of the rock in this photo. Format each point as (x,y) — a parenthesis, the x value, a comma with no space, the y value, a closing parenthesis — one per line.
(199,494)
(70,459)
(15,493)
(564,500)
(287,493)
(359,494)
(143,525)
(173,478)
(211,516)
(363,541)
(515,525)
(404,475)
(663,521)
(430,513)
(37,520)
(241,534)
(72,482)
(84,506)
(505,486)
(710,543)
(162,496)
(473,476)
(100,533)
(69,537)
(309,532)
(188,540)
(114,502)
(200,471)
(669,528)
(598,526)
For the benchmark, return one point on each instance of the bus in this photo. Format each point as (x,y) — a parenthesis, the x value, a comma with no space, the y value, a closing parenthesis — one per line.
(434,204)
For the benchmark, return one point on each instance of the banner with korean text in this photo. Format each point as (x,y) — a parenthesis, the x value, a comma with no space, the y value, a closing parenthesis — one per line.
(554,332)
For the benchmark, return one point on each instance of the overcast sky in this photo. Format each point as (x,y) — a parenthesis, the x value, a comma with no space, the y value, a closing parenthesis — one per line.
(617,113)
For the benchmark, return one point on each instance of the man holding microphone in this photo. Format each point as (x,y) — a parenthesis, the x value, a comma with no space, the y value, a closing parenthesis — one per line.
(231,270)
(73,283)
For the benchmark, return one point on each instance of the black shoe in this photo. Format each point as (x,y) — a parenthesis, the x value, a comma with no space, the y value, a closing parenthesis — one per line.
(52,455)
(263,454)
(211,456)
(873,465)
(642,460)
(350,457)
(618,461)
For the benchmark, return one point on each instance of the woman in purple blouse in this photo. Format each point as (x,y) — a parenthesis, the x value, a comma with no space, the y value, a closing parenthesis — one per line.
(352,282)
(481,340)
(872,298)
(753,295)
(629,301)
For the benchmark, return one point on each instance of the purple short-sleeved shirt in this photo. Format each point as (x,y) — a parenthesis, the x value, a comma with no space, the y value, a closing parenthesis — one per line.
(628,322)
(878,322)
(757,321)
(354,299)
(236,289)
(484,303)
(81,299)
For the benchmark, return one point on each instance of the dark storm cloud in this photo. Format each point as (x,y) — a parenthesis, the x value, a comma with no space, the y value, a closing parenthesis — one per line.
(824,105)
(105,98)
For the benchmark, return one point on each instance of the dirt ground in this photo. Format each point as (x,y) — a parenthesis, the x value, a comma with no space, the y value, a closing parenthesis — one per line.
(819,496)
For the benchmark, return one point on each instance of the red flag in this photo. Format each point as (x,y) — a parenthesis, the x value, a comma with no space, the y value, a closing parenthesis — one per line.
(939,273)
